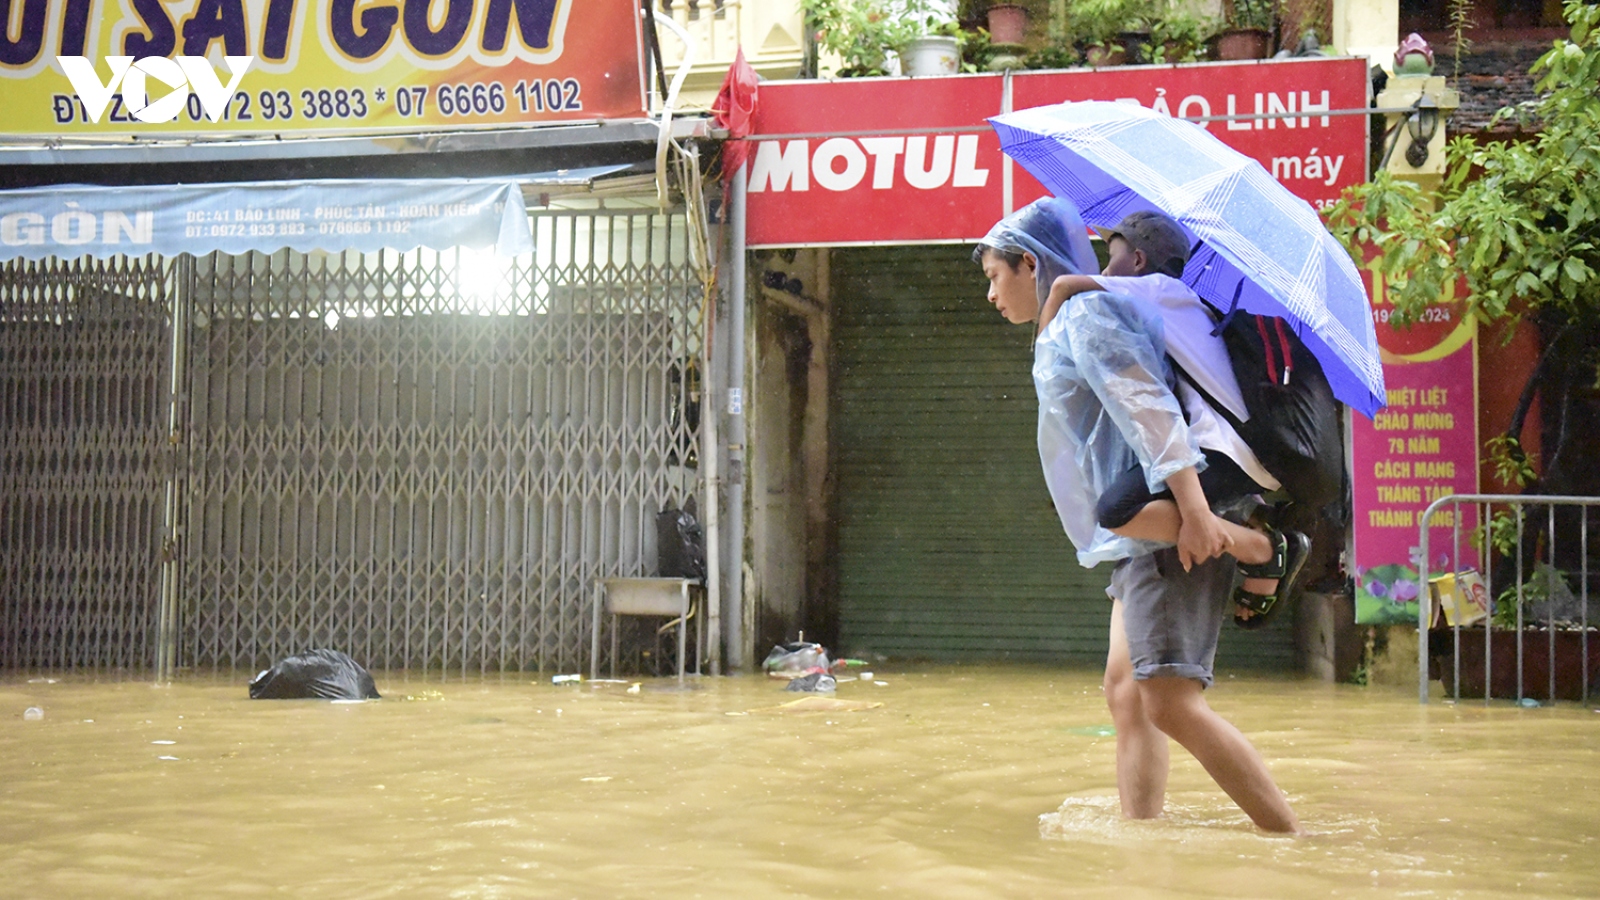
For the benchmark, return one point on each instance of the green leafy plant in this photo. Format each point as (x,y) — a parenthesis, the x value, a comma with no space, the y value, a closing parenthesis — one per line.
(1180,37)
(1501,532)
(1510,463)
(862,33)
(1054,54)
(976,49)
(1545,583)
(1100,22)
(1460,23)
(1259,15)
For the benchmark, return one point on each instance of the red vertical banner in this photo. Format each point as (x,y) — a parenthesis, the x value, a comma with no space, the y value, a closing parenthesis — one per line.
(1423,446)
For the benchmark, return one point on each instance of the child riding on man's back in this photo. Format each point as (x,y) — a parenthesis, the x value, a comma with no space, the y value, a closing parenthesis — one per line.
(1147,255)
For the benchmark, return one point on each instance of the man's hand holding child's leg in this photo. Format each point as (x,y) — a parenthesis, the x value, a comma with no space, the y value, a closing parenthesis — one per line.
(1201,535)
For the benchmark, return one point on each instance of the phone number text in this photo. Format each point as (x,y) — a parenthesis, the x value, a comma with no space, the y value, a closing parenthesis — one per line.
(490,98)
(306,104)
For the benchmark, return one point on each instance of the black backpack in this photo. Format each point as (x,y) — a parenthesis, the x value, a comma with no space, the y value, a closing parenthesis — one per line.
(1294,425)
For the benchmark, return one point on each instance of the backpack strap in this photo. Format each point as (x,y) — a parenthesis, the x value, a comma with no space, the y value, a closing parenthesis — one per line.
(1224,317)
(1285,348)
(1266,346)
(1210,401)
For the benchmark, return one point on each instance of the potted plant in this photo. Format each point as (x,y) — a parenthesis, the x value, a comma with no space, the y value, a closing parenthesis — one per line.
(980,54)
(934,47)
(1113,31)
(1248,30)
(861,33)
(1180,38)
(1008,23)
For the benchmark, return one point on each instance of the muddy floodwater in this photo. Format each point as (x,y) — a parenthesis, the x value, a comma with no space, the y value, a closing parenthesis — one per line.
(968,782)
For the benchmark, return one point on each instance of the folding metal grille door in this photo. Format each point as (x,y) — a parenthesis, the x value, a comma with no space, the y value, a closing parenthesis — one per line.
(83,423)
(425,459)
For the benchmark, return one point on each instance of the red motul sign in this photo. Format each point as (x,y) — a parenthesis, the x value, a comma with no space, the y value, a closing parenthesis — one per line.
(910,161)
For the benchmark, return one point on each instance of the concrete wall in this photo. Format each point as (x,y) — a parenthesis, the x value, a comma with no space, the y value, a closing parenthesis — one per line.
(1369,28)
(788,452)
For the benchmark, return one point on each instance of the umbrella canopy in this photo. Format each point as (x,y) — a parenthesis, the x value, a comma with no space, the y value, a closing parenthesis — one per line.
(1255,240)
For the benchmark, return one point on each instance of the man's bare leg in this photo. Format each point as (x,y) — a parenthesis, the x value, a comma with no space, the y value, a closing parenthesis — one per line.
(1177,707)
(1142,753)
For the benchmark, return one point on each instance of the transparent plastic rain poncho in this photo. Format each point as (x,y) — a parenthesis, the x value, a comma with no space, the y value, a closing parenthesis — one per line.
(1104,383)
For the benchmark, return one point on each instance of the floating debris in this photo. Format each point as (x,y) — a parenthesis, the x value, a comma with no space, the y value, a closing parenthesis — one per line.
(816,682)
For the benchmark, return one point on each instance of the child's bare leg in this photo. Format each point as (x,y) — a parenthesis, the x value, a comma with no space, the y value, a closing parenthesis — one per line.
(1159,520)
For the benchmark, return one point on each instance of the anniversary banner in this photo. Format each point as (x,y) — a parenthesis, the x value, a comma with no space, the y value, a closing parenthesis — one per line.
(298,66)
(1422,446)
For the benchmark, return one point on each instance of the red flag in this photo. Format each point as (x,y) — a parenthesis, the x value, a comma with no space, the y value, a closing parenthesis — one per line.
(734,109)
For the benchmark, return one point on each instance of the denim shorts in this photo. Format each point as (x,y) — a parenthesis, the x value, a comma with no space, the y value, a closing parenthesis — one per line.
(1173,618)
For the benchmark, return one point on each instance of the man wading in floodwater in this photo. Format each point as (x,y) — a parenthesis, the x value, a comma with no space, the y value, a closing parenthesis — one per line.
(1108,402)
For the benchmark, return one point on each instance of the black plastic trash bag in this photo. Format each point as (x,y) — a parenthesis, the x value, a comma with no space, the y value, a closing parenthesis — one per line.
(319,674)
(680,544)
(796,658)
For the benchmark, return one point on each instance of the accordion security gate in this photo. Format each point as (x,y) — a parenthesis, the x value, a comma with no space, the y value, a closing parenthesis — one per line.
(423,459)
(84,354)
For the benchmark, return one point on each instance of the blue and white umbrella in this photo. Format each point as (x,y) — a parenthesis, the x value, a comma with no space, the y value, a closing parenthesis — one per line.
(1256,241)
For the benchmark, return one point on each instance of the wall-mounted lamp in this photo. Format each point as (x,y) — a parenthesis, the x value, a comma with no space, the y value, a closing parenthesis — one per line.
(1422,122)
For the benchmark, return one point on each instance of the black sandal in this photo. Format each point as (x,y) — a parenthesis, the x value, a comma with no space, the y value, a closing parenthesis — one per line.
(1289,552)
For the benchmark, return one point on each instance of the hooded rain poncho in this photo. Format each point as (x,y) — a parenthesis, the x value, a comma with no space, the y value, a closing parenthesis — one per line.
(1100,368)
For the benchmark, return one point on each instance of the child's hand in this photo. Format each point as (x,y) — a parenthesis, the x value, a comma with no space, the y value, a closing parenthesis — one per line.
(1201,537)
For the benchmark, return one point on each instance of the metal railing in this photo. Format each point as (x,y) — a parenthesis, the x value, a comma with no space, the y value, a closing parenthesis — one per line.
(1498,518)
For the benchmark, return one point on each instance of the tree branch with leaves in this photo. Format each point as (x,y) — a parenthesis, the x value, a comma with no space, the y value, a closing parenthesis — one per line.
(1519,220)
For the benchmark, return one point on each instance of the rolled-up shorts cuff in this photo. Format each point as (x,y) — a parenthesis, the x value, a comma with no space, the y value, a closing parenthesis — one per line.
(1174,670)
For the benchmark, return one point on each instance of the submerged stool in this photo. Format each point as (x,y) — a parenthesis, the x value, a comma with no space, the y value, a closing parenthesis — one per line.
(645,597)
